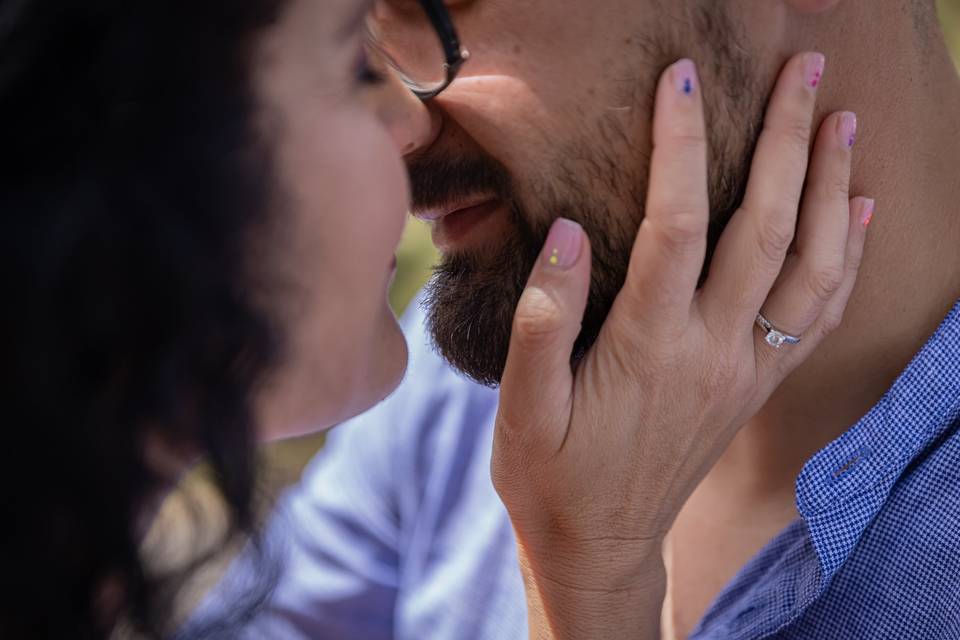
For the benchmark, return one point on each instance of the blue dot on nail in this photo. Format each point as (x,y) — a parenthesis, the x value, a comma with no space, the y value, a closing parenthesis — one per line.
(688,86)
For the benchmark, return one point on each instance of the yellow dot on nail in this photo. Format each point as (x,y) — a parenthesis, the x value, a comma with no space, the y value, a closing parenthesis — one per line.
(553,260)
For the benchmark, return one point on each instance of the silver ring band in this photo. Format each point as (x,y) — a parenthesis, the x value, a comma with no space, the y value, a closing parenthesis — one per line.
(775,338)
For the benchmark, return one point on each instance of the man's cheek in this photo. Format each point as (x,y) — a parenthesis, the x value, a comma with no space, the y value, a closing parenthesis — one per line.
(506,117)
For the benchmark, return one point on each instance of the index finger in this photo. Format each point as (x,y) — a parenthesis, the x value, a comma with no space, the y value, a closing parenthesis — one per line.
(671,244)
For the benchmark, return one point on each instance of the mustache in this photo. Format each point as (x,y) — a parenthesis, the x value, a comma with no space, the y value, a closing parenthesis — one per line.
(438,180)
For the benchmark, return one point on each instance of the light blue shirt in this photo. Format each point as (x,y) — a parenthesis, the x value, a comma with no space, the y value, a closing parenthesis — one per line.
(396,532)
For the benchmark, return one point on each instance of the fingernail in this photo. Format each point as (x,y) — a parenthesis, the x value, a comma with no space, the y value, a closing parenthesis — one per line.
(847,129)
(867,208)
(685,77)
(814,64)
(562,249)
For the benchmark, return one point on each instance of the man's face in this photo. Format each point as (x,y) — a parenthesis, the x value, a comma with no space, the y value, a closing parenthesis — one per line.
(551,117)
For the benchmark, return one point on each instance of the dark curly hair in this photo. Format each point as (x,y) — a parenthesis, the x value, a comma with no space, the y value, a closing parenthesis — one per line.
(131,184)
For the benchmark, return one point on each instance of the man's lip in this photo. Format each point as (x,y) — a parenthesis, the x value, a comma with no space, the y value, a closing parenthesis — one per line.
(464,228)
(438,213)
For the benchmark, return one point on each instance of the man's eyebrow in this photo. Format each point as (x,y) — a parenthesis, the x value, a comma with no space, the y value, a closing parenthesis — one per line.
(356,16)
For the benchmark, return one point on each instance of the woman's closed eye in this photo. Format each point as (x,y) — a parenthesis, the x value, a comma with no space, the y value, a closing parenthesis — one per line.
(366,73)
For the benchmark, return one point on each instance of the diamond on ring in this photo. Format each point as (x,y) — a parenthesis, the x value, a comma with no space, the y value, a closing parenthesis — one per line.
(775,338)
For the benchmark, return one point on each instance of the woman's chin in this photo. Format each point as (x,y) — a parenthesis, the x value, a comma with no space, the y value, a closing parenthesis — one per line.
(295,411)
(390,363)
(385,374)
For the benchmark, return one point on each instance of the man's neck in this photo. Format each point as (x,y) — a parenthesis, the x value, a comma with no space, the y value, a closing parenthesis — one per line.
(906,159)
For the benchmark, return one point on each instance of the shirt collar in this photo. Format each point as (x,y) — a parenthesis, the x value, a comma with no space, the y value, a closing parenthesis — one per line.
(843,487)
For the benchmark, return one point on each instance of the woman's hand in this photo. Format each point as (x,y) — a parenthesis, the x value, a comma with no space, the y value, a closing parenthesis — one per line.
(594,464)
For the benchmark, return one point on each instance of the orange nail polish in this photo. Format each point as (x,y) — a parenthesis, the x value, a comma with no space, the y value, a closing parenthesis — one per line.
(866,215)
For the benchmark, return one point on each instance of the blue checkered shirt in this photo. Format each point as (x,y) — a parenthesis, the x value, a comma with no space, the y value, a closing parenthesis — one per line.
(396,532)
(876,551)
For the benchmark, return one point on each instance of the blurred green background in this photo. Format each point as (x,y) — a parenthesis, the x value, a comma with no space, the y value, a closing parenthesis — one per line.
(172,535)
(950,15)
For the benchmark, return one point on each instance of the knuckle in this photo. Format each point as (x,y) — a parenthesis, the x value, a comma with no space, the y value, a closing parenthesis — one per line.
(823,282)
(688,138)
(794,132)
(830,188)
(681,227)
(830,321)
(840,186)
(538,318)
(774,240)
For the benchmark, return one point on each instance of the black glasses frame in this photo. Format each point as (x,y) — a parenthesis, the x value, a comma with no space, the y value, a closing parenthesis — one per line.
(454,54)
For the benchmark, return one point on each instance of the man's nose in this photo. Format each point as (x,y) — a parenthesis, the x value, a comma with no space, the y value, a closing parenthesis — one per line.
(412,125)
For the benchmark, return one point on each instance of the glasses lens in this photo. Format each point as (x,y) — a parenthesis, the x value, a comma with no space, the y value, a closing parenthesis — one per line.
(401,32)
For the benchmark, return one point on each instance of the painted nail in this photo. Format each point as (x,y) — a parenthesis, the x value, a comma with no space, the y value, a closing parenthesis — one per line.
(562,249)
(847,129)
(814,64)
(867,208)
(685,77)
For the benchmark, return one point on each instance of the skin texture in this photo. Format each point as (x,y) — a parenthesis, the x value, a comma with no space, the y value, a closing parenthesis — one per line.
(522,101)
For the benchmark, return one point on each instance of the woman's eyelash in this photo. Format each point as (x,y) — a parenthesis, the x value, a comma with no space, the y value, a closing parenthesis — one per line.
(370,76)
(366,74)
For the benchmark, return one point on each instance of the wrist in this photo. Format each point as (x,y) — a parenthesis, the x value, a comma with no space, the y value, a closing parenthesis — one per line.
(604,590)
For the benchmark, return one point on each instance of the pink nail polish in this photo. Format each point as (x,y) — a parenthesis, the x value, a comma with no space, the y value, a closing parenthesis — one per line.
(866,212)
(848,129)
(813,69)
(685,77)
(562,249)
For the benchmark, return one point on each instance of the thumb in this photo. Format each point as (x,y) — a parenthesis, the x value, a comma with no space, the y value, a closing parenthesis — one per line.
(537,386)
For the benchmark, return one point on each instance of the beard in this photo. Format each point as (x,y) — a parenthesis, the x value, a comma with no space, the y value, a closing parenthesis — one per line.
(471,298)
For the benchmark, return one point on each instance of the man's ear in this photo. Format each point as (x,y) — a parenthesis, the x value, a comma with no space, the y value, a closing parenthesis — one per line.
(812,6)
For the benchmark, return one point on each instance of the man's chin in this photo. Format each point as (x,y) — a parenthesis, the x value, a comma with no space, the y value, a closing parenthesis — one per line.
(470,302)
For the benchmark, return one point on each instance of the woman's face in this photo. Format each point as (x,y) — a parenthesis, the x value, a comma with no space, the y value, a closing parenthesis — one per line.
(337,135)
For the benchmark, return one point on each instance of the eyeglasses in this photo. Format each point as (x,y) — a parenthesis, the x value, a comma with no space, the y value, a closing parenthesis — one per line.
(417,39)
